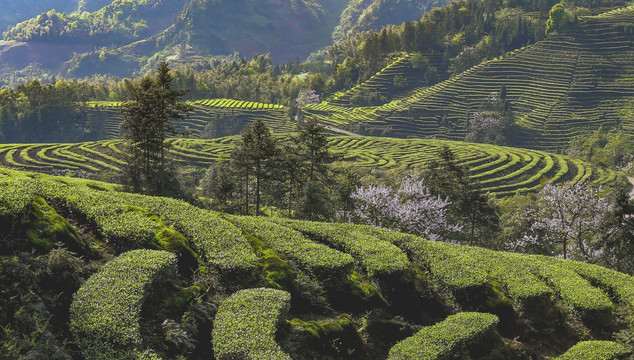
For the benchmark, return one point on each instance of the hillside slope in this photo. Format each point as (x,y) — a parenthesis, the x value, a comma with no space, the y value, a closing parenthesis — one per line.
(363,15)
(500,170)
(570,83)
(159,278)
(20,10)
(125,37)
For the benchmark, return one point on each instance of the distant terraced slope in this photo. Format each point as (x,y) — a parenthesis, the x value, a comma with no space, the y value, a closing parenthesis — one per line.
(210,118)
(501,170)
(568,84)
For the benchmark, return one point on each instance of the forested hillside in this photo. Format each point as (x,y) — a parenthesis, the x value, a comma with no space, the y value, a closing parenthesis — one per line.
(576,80)
(125,37)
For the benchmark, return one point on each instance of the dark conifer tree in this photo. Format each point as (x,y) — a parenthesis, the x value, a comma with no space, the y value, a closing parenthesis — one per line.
(312,144)
(148,119)
(254,156)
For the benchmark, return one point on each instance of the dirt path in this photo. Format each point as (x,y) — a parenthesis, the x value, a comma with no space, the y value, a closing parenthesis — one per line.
(346,132)
(631,180)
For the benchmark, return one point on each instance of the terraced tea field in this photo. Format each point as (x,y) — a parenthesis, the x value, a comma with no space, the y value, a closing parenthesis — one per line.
(568,84)
(286,289)
(383,83)
(500,170)
(228,116)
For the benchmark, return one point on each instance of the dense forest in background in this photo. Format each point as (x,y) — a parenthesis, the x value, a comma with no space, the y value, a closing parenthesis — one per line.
(21,10)
(130,37)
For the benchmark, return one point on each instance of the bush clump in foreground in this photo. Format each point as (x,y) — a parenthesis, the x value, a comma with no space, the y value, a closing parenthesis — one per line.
(105,313)
(246,323)
(596,350)
(440,340)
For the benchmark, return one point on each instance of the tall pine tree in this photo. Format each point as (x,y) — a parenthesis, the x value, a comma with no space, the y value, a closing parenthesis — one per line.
(148,119)
(254,160)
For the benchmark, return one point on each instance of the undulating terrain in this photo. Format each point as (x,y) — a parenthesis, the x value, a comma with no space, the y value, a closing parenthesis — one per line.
(560,87)
(132,276)
(125,37)
(89,270)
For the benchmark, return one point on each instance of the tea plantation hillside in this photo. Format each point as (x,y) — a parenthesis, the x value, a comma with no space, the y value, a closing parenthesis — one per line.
(568,84)
(91,272)
(500,170)
(211,118)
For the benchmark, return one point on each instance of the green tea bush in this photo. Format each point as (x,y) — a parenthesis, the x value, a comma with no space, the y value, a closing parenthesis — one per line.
(317,259)
(519,284)
(217,240)
(448,264)
(379,257)
(105,312)
(596,350)
(619,284)
(573,289)
(440,340)
(246,323)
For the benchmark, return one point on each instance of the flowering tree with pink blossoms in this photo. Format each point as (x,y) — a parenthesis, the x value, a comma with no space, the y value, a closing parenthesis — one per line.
(567,216)
(409,208)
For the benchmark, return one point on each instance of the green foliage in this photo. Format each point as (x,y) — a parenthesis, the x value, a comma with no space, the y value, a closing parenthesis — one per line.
(378,257)
(219,243)
(37,289)
(254,156)
(519,285)
(502,171)
(105,311)
(615,282)
(275,273)
(438,341)
(21,10)
(313,257)
(168,239)
(120,22)
(147,122)
(41,112)
(246,323)
(596,350)
(573,289)
(470,208)
(611,149)
(332,337)
(30,223)
(361,16)
(431,112)
(558,17)
(45,228)
(35,298)
(446,262)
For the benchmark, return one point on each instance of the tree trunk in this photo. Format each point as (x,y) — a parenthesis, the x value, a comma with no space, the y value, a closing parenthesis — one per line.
(258,176)
(162,166)
(246,194)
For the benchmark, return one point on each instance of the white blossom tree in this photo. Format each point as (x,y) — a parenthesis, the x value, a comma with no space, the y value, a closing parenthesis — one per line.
(305,98)
(567,215)
(409,208)
(485,129)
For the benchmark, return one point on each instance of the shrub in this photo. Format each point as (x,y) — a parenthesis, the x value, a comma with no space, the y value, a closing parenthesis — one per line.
(596,350)
(379,257)
(105,312)
(440,340)
(246,323)
(318,259)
